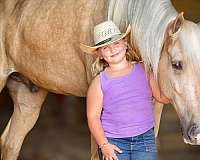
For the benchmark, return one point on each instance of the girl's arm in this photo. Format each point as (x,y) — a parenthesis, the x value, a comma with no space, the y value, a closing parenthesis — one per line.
(156,90)
(94,109)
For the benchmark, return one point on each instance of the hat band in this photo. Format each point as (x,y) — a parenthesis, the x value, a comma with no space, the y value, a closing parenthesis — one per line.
(104,41)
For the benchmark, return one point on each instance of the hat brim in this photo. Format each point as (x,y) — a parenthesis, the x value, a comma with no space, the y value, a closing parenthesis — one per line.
(92,49)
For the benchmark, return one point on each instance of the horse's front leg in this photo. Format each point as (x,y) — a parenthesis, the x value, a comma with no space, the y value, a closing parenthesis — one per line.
(27,107)
(158,107)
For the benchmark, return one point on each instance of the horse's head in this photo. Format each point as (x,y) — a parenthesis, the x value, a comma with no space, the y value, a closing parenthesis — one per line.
(179,74)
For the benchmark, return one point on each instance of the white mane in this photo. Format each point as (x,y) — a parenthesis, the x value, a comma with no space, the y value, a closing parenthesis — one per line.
(149,20)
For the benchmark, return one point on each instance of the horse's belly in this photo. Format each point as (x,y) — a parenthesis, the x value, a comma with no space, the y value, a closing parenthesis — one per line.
(67,84)
(63,75)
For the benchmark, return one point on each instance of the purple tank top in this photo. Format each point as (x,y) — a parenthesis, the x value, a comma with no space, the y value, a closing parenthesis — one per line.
(127,104)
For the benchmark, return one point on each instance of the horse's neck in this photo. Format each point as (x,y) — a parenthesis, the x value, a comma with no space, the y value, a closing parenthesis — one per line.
(149,20)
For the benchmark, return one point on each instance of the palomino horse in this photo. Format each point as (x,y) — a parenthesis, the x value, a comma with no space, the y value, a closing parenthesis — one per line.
(40,40)
(169,45)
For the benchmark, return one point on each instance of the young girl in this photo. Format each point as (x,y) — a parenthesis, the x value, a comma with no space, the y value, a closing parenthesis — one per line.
(119,99)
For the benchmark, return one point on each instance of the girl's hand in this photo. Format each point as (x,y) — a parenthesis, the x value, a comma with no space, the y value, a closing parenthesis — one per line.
(109,152)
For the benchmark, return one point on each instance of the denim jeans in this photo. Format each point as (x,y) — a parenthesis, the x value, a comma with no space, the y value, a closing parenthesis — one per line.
(141,147)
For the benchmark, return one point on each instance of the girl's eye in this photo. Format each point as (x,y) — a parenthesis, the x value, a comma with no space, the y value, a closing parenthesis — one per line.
(104,48)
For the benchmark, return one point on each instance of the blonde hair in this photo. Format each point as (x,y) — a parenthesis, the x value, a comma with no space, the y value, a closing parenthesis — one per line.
(100,64)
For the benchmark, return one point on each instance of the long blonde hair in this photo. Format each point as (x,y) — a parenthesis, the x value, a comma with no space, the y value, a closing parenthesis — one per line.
(100,64)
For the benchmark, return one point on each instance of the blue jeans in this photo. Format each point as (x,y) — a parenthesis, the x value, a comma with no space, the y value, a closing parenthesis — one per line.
(141,147)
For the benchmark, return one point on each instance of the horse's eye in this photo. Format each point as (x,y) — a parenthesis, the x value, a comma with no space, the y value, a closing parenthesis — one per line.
(177,65)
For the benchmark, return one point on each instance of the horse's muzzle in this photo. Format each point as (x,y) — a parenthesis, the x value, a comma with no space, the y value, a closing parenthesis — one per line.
(192,135)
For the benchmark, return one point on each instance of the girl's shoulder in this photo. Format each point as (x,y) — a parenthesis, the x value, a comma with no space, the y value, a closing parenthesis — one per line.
(141,67)
(139,63)
(94,93)
(95,84)
(95,80)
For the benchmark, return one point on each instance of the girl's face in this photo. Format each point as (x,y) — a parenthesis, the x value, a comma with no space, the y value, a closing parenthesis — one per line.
(115,52)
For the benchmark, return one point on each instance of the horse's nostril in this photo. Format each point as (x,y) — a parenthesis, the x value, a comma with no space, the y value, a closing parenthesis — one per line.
(192,132)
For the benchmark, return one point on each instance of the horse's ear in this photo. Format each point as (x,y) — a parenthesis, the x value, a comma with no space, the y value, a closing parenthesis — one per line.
(176,24)
(173,28)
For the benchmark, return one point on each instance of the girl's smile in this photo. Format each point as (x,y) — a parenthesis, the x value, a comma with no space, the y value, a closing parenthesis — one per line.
(114,53)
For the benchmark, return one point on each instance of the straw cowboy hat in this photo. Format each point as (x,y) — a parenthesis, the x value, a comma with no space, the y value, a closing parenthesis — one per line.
(105,33)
